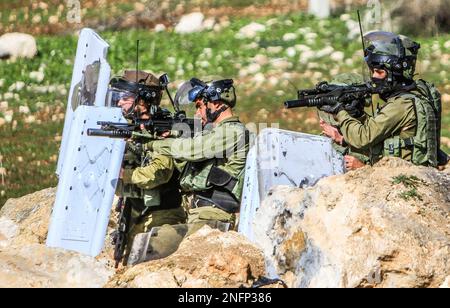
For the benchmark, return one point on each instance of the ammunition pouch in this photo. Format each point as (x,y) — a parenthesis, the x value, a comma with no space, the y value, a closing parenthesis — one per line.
(220,178)
(393,146)
(221,194)
(216,198)
(128,190)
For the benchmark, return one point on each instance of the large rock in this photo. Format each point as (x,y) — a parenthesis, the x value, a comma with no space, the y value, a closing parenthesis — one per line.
(208,258)
(190,23)
(17,45)
(251,30)
(35,265)
(28,216)
(387,226)
(25,261)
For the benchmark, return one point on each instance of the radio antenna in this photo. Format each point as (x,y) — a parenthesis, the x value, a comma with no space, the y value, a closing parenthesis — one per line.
(137,61)
(361,31)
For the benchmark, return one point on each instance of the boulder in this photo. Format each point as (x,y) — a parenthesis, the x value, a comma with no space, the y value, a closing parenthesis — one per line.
(35,265)
(17,45)
(251,30)
(386,226)
(190,23)
(25,261)
(208,258)
(29,215)
(160,28)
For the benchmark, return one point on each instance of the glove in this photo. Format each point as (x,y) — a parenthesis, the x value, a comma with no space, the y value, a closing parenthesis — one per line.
(355,109)
(333,109)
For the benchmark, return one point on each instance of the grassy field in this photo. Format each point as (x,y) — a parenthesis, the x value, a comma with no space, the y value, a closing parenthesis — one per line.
(295,49)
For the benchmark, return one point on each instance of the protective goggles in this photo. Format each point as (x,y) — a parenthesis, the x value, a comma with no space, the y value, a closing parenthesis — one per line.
(195,93)
(114,96)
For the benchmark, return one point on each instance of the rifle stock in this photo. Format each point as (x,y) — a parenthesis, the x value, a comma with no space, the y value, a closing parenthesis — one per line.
(123,225)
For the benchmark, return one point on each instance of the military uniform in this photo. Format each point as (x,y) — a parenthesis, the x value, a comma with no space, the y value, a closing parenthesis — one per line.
(213,175)
(149,185)
(396,120)
(153,192)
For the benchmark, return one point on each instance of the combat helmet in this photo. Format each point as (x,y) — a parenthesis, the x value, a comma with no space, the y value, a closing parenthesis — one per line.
(136,85)
(396,54)
(223,91)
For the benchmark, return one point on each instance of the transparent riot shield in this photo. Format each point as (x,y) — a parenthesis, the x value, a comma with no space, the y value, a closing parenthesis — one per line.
(282,157)
(88,167)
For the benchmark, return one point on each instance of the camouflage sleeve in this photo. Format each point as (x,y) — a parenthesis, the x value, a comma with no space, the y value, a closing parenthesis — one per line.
(396,116)
(157,172)
(202,147)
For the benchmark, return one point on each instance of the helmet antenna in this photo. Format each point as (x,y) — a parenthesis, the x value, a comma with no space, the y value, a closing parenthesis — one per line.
(361,32)
(137,61)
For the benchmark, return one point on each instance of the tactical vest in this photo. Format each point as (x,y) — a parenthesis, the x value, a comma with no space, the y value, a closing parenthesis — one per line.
(163,197)
(132,159)
(426,141)
(211,184)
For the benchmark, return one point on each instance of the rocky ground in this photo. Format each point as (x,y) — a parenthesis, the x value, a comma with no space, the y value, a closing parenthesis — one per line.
(386,226)
(25,261)
(208,258)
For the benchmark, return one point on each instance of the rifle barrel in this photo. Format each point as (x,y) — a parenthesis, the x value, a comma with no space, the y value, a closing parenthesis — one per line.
(116,134)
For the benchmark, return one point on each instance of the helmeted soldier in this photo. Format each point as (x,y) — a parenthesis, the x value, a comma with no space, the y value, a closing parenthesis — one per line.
(408,125)
(215,159)
(149,181)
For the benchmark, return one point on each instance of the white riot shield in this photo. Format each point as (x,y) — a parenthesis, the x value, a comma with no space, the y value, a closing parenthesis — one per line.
(284,158)
(91,59)
(90,166)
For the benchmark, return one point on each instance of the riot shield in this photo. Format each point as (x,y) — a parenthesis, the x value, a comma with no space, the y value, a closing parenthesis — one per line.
(282,157)
(91,72)
(88,167)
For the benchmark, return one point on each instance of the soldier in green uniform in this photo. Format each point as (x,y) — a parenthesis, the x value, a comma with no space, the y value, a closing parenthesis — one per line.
(149,181)
(215,158)
(408,125)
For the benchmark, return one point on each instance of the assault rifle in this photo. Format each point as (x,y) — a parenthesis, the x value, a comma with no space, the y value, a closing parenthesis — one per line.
(329,94)
(161,122)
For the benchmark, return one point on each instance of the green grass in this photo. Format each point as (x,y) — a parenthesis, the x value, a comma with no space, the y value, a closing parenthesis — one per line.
(36,142)
(411,183)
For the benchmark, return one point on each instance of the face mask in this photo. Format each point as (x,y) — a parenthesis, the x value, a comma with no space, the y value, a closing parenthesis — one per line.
(379,83)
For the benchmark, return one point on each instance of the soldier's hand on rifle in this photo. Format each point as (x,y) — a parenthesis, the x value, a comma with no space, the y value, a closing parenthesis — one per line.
(332,109)
(355,109)
(332,132)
